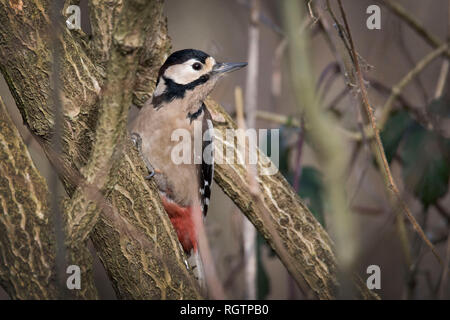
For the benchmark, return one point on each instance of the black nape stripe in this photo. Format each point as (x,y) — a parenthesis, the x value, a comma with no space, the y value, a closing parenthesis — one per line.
(176,91)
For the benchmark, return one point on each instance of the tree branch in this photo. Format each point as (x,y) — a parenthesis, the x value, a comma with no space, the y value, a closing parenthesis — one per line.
(398,88)
(133,235)
(304,246)
(395,198)
(401,13)
(27,240)
(127,38)
(136,271)
(126,41)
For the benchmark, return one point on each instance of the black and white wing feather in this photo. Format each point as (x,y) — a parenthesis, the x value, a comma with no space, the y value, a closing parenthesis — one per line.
(206,169)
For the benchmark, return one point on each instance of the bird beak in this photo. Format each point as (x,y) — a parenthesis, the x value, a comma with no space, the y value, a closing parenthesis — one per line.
(225,67)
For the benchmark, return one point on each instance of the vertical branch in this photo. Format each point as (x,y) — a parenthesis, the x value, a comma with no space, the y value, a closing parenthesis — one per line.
(251,95)
(126,43)
(298,160)
(443,75)
(55,31)
(329,148)
(248,230)
(214,286)
(251,101)
(442,79)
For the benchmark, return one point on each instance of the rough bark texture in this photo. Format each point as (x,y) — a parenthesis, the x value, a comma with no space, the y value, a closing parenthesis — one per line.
(27,241)
(303,236)
(309,248)
(125,236)
(121,53)
(133,235)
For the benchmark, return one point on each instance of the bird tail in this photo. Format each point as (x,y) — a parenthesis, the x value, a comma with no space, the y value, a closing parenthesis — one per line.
(196,264)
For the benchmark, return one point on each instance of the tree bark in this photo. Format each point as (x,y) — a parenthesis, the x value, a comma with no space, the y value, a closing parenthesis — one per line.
(280,216)
(133,236)
(27,240)
(131,232)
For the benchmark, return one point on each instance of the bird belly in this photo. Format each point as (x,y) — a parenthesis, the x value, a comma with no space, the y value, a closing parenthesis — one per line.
(179,181)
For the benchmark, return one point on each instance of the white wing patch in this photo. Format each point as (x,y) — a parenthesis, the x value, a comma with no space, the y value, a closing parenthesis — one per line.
(207,166)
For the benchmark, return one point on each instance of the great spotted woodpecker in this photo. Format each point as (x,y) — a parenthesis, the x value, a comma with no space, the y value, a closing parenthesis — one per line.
(184,81)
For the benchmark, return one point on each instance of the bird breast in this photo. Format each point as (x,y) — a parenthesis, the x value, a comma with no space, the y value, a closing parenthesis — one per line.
(157,127)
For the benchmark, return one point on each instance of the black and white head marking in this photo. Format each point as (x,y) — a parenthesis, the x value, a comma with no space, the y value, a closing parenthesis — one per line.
(184,70)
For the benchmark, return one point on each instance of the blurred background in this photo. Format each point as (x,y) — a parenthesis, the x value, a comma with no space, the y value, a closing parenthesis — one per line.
(419,157)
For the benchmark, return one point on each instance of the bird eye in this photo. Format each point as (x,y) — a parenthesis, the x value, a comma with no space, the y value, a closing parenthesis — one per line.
(196,66)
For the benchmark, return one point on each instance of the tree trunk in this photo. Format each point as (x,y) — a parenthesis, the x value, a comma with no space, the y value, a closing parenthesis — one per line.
(133,235)
(130,229)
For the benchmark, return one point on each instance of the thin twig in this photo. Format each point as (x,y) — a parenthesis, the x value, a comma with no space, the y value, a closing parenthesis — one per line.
(391,186)
(336,100)
(278,244)
(400,12)
(410,60)
(442,211)
(333,68)
(263,19)
(398,88)
(294,122)
(251,93)
(445,65)
(417,113)
(442,79)
(251,102)
(298,164)
(248,230)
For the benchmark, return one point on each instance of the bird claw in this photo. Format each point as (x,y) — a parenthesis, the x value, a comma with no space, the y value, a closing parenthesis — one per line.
(152,173)
(137,141)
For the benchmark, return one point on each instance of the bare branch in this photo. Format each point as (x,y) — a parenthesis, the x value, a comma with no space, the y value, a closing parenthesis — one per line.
(400,12)
(394,194)
(398,88)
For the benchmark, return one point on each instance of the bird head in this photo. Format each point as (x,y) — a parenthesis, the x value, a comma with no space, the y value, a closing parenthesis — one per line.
(191,75)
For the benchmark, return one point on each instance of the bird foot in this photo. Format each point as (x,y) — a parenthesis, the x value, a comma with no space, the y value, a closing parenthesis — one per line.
(137,141)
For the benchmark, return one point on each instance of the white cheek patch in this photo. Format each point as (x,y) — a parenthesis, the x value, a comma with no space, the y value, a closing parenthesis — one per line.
(160,88)
(184,73)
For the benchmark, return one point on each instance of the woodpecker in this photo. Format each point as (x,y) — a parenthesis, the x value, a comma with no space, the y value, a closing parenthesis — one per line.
(184,81)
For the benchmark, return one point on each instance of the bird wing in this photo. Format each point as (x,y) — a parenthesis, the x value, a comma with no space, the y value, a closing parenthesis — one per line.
(206,168)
